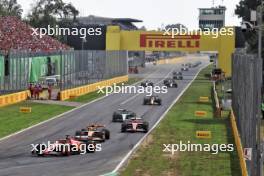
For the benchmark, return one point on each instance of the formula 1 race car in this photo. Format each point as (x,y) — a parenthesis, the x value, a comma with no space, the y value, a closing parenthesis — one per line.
(93,132)
(177,75)
(185,68)
(170,83)
(135,124)
(196,64)
(147,83)
(152,100)
(64,147)
(122,114)
(189,65)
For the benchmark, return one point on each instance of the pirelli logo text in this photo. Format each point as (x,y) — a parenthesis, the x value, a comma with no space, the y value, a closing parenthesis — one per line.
(166,41)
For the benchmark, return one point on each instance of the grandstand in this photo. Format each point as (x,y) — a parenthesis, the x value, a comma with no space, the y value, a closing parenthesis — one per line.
(17,35)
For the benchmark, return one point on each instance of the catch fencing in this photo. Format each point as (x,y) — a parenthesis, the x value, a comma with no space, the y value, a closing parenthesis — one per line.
(246,103)
(70,68)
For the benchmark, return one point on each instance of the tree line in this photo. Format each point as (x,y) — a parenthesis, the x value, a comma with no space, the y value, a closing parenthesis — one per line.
(42,12)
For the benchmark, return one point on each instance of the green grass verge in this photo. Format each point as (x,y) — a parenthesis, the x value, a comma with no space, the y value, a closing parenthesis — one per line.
(94,95)
(11,120)
(181,125)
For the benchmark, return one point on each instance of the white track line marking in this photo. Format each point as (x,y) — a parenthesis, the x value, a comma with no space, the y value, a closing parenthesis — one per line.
(163,115)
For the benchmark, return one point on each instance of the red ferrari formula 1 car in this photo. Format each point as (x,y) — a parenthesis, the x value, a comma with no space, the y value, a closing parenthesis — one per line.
(135,124)
(64,147)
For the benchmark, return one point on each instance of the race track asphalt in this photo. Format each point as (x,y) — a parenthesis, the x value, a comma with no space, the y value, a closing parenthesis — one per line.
(15,156)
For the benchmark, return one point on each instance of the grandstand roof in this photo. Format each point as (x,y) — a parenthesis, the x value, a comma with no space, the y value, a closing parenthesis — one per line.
(124,23)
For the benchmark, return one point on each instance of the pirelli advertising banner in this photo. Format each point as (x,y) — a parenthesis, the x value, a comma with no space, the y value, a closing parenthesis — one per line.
(117,39)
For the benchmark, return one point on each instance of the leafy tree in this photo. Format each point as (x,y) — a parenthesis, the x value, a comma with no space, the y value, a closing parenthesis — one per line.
(47,12)
(10,8)
(243,11)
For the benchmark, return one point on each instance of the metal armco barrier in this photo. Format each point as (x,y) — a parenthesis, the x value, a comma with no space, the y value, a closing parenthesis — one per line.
(66,94)
(13,98)
(238,145)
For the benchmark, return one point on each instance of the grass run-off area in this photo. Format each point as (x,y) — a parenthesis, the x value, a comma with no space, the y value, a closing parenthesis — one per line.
(180,124)
(12,120)
(94,95)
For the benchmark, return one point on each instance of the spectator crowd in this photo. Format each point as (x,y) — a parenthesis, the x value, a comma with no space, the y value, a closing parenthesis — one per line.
(17,35)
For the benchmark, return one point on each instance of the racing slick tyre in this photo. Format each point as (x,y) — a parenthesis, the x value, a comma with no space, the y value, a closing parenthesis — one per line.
(39,147)
(72,152)
(159,102)
(145,102)
(66,153)
(107,133)
(114,118)
(78,133)
(90,147)
(146,127)
(123,129)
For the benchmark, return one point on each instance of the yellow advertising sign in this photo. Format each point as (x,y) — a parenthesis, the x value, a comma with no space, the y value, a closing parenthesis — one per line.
(25,109)
(200,113)
(203,99)
(137,40)
(203,134)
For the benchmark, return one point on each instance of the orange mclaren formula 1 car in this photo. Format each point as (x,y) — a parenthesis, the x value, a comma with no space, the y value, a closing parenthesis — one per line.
(93,132)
